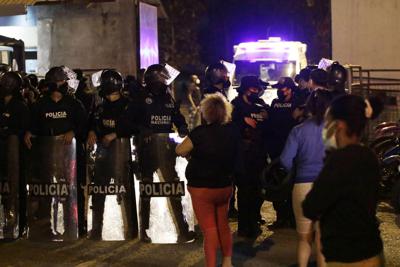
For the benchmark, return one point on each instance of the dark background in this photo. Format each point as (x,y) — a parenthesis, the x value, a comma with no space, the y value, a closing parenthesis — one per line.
(199,32)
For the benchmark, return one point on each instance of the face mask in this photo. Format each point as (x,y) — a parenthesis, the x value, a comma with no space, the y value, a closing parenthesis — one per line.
(281,95)
(253,97)
(63,89)
(328,136)
(158,88)
(227,84)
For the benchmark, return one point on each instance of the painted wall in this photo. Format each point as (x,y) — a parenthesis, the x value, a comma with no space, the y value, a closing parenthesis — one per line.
(97,36)
(366,32)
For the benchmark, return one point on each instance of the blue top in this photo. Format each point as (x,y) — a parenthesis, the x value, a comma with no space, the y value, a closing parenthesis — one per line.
(304,148)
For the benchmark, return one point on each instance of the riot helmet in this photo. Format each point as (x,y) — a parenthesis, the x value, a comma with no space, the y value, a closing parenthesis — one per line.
(217,73)
(55,75)
(56,79)
(4,68)
(156,77)
(337,74)
(10,84)
(110,81)
(252,86)
(33,80)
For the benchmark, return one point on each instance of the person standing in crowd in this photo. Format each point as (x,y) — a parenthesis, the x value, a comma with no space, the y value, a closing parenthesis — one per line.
(303,90)
(213,148)
(83,93)
(344,197)
(14,120)
(57,113)
(103,131)
(153,112)
(318,79)
(217,79)
(189,101)
(280,123)
(14,112)
(250,114)
(304,151)
(337,78)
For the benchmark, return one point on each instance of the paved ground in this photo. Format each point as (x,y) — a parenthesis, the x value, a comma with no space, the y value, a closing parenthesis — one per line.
(270,249)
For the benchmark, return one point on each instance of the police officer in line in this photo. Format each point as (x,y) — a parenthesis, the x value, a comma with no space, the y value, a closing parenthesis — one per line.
(250,113)
(14,121)
(337,78)
(217,79)
(152,112)
(282,118)
(58,113)
(103,131)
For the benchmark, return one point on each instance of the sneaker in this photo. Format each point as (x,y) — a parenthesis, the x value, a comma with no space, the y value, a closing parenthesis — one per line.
(187,238)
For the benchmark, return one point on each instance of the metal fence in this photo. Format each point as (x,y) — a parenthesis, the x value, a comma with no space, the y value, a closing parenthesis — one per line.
(384,83)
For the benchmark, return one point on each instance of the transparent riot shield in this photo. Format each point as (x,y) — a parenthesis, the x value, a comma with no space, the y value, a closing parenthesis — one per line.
(110,193)
(9,187)
(165,208)
(52,190)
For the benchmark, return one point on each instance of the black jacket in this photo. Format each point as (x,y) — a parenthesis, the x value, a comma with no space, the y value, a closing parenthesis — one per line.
(344,199)
(148,113)
(107,116)
(51,118)
(280,124)
(14,118)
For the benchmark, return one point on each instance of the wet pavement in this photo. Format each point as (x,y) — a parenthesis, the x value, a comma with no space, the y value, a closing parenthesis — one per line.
(270,249)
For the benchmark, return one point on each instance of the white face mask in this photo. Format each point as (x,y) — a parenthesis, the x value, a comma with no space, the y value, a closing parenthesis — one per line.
(328,136)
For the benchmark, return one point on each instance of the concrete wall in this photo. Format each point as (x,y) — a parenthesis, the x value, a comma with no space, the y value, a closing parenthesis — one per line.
(99,36)
(366,32)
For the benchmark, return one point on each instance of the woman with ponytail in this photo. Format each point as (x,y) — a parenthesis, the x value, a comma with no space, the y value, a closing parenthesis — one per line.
(344,197)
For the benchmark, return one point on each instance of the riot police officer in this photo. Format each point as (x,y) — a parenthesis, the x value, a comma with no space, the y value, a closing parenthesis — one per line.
(151,113)
(250,113)
(58,115)
(14,121)
(217,79)
(103,131)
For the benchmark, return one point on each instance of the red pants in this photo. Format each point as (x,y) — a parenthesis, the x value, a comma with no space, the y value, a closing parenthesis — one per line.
(211,208)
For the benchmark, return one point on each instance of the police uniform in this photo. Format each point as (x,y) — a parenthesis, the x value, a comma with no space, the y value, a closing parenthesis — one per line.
(148,114)
(14,121)
(50,118)
(103,122)
(280,124)
(254,159)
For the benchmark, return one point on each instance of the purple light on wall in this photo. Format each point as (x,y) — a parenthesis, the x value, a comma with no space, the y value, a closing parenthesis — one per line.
(148,35)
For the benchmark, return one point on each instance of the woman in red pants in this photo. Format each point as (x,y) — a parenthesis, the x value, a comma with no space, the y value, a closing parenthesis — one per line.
(213,150)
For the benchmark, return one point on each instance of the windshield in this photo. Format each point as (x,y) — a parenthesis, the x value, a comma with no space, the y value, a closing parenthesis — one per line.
(266,70)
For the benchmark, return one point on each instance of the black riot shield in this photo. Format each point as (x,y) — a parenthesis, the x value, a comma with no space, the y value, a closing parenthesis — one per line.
(9,187)
(52,190)
(110,193)
(166,214)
